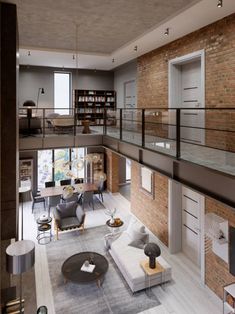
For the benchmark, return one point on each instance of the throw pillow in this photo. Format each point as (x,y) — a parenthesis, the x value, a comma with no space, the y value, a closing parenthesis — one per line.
(139,237)
(67,209)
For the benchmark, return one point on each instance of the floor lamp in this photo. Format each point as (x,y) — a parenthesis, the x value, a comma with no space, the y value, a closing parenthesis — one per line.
(20,257)
(40,91)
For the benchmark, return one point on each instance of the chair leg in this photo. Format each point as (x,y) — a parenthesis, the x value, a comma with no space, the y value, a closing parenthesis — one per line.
(93,205)
(44,203)
(102,196)
(32,207)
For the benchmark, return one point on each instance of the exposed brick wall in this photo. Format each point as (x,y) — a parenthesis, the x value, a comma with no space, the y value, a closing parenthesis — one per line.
(112,162)
(218,40)
(217,270)
(152,212)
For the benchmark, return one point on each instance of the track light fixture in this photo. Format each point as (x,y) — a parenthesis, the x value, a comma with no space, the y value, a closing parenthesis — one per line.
(220,3)
(135,48)
(166,31)
(113,60)
(73,57)
(29,53)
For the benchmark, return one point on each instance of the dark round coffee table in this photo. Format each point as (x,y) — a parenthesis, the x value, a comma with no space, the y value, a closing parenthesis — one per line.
(71,268)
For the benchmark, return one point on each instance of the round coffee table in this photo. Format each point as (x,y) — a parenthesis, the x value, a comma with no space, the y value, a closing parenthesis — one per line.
(71,268)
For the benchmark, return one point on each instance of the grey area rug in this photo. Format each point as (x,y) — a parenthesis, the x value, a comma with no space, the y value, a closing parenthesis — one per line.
(114,296)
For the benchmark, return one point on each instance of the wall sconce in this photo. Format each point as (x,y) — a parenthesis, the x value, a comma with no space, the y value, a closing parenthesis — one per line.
(220,4)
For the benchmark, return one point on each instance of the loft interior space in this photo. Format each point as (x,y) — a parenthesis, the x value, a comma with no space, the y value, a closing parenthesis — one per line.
(117,157)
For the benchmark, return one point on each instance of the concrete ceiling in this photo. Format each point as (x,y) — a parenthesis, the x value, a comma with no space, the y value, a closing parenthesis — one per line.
(47,28)
(103,25)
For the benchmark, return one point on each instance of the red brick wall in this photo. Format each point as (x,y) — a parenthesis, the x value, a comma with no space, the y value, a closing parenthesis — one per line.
(112,162)
(152,212)
(218,41)
(217,270)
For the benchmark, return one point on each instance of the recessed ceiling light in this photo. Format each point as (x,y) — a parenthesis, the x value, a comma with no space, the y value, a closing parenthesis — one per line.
(220,3)
(166,31)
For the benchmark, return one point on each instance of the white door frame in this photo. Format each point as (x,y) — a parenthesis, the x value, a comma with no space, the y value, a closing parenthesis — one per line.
(174,82)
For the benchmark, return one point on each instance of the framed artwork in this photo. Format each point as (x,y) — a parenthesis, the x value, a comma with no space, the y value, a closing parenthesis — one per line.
(147,181)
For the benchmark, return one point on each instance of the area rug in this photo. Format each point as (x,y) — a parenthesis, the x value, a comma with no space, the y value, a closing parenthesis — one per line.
(114,296)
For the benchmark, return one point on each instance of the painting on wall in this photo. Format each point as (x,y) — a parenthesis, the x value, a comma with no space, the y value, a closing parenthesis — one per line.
(147,181)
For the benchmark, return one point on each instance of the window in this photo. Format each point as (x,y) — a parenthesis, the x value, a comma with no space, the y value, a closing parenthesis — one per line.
(44,167)
(78,153)
(62,92)
(61,164)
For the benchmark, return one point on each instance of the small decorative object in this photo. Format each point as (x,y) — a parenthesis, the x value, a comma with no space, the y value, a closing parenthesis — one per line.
(86,263)
(43,217)
(68,191)
(89,269)
(111,212)
(152,250)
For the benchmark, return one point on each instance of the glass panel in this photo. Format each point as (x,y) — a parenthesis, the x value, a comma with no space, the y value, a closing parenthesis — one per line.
(61,164)
(62,92)
(77,168)
(160,130)
(44,167)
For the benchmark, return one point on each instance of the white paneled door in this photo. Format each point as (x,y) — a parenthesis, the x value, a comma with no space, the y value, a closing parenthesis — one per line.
(191,97)
(192,203)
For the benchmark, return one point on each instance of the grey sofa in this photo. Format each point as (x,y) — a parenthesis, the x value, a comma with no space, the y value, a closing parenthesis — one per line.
(68,216)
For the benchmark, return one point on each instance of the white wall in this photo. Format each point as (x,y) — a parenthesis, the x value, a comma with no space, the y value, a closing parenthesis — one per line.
(123,74)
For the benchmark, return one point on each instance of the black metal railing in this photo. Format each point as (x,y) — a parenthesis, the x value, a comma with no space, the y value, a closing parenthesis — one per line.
(193,134)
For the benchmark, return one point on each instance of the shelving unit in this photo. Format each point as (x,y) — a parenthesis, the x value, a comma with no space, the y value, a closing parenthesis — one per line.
(229,299)
(90,104)
(26,172)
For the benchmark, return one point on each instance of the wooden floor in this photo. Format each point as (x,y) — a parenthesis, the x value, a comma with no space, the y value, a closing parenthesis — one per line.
(183,295)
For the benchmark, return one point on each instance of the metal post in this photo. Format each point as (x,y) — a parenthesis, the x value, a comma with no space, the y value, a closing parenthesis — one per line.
(178,152)
(105,121)
(143,127)
(75,122)
(43,122)
(120,124)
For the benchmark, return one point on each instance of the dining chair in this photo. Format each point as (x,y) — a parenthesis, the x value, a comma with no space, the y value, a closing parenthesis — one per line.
(37,198)
(87,198)
(49,184)
(53,201)
(100,189)
(65,182)
(78,180)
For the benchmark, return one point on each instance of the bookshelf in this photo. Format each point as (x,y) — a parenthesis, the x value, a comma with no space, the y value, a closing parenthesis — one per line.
(90,104)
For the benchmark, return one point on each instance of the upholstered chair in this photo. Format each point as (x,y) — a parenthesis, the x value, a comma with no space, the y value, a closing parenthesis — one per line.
(68,216)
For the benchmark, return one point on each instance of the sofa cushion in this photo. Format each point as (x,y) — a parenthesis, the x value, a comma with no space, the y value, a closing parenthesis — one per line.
(139,244)
(70,222)
(67,209)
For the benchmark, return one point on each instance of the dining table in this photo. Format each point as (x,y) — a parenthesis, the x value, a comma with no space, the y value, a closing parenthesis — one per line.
(58,190)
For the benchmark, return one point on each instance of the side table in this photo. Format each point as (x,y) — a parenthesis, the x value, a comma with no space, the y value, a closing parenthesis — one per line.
(44,234)
(114,227)
(229,299)
(149,272)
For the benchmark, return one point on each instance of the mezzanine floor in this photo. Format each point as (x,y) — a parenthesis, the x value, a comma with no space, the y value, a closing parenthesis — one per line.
(216,159)
(183,295)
